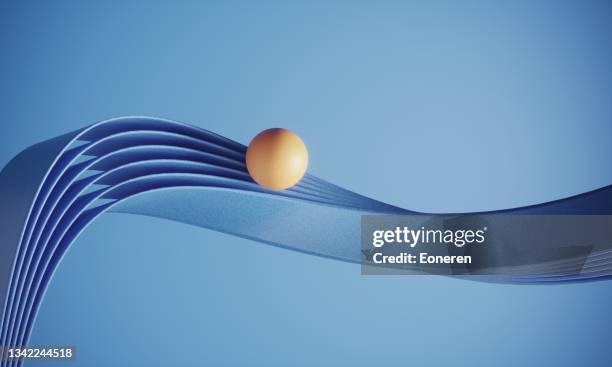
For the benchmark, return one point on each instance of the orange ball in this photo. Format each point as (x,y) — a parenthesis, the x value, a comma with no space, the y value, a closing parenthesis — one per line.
(277,159)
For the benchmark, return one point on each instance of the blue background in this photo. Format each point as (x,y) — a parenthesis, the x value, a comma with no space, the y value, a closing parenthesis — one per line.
(431,106)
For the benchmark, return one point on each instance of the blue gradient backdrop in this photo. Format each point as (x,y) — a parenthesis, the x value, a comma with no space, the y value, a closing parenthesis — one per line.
(432,106)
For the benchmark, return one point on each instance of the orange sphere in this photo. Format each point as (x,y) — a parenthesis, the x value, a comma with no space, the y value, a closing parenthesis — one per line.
(277,159)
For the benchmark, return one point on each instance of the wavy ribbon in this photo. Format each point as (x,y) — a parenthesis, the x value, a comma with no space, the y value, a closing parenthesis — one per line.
(53,190)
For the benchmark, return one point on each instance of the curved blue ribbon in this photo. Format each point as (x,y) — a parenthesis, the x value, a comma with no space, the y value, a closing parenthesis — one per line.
(53,190)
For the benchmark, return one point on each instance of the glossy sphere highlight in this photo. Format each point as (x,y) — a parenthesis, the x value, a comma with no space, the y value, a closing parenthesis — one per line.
(277,159)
